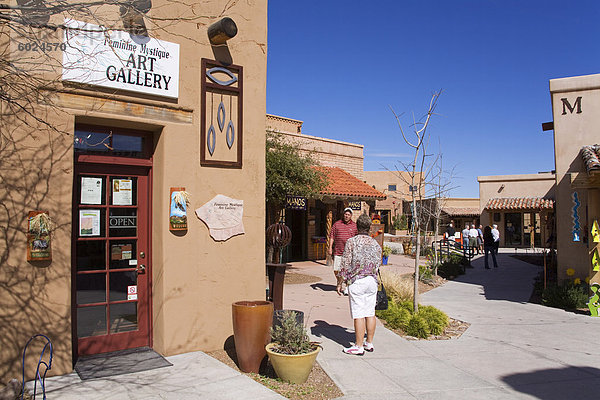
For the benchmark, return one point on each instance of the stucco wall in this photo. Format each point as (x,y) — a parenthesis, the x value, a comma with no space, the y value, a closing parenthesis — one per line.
(573,130)
(194,278)
(382,179)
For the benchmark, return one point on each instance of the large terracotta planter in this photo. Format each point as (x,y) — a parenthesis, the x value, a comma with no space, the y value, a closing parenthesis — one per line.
(251,323)
(293,368)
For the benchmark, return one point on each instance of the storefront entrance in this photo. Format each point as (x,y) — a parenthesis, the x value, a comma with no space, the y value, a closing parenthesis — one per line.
(111,246)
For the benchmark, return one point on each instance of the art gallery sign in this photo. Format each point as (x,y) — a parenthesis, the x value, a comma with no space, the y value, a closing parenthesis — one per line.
(115,59)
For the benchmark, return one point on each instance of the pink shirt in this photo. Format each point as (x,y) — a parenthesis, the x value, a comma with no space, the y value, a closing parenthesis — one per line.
(340,232)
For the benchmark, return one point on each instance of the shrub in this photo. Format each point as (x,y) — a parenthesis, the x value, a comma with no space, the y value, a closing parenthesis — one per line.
(425,273)
(429,320)
(387,250)
(566,296)
(398,288)
(436,319)
(451,266)
(290,336)
(417,327)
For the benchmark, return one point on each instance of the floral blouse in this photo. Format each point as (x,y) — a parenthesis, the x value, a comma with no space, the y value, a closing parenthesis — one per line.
(361,258)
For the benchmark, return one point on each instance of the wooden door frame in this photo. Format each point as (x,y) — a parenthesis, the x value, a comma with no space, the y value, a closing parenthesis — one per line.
(110,163)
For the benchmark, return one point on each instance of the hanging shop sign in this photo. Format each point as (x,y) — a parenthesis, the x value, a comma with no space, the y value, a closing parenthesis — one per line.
(355,205)
(575,215)
(295,202)
(595,232)
(221,115)
(97,56)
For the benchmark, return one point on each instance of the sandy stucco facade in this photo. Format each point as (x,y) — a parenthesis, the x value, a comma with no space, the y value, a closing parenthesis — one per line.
(575,105)
(194,279)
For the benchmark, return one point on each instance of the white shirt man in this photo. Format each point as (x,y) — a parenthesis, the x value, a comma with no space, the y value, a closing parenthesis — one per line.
(496,236)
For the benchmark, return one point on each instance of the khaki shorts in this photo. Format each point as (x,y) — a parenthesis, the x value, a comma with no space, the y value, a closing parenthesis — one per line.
(337,263)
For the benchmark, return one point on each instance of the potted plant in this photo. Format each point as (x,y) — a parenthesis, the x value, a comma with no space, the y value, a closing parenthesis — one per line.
(385,253)
(292,354)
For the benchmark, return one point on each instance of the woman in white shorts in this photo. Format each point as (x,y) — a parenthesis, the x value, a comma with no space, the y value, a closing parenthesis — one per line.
(360,263)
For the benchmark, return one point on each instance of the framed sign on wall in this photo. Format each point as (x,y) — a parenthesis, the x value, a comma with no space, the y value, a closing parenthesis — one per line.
(221,119)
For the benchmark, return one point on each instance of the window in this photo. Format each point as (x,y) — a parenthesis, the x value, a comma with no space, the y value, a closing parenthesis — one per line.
(391,188)
(111,141)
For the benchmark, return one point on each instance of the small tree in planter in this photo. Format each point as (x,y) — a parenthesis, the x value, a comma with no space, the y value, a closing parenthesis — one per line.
(385,253)
(292,354)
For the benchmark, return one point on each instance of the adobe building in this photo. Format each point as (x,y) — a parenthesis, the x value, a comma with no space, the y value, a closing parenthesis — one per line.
(342,163)
(396,186)
(575,105)
(521,205)
(460,211)
(105,154)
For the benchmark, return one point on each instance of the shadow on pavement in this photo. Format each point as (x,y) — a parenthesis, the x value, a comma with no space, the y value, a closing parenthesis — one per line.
(557,383)
(512,281)
(323,287)
(336,333)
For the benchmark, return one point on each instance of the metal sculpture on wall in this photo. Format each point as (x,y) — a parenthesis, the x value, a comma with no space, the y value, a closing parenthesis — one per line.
(221,143)
(593,303)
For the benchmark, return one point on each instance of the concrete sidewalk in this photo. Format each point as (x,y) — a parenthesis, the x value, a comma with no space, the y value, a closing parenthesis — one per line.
(512,350)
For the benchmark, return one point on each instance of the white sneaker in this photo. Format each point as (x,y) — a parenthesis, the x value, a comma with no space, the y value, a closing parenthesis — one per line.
(346,291)
(368,347)
(357,351)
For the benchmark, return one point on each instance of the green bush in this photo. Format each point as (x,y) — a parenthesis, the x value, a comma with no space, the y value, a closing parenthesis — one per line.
(451,266)
(429,320)
(417,327)
(425,273)
(400,222)
(566,296)
(436,319)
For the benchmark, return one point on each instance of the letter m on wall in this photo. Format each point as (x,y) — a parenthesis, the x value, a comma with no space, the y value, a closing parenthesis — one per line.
(567,106)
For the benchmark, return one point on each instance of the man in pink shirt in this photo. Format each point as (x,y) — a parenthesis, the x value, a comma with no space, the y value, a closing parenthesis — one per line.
(341,231)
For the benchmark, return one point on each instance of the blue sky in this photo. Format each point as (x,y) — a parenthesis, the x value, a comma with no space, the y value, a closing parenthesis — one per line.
(339,65)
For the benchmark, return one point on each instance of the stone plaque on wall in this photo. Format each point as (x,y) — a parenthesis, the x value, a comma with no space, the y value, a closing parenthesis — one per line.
(223,216)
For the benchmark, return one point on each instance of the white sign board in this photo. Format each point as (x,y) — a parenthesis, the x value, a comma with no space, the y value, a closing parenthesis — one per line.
(223,216)
(116,59)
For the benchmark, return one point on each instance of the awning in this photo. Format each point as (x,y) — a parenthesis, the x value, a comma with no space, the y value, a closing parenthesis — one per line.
(461,211)
(520,203)
(345,185)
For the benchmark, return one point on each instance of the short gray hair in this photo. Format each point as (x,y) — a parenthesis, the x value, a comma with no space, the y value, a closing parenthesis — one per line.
(363,223)
(495,226)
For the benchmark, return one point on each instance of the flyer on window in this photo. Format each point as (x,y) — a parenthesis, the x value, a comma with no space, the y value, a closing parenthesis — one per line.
(89,222)
(91,190)
(122,192)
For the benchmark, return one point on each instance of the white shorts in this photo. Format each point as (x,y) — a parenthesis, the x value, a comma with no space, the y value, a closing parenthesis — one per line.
(337,263)
(363,296)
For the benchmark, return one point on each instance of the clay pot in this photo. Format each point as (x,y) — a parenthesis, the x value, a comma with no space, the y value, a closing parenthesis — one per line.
(293,368)
(251,323)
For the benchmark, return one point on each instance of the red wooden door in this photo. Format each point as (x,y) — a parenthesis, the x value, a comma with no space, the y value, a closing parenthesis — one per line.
(111,257)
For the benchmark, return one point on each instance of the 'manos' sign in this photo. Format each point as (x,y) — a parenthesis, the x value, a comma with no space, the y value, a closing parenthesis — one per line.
(118,60)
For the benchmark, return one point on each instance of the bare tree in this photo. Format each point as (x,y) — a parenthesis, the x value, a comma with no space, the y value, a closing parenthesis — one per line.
(418,167)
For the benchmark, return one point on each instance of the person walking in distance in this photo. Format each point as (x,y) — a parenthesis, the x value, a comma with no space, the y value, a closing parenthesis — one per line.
(341,231)
(488,246)
(496,235)
(360,263)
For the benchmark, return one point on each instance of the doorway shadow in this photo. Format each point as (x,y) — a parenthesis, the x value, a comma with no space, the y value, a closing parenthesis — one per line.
(336,333)
(557,383)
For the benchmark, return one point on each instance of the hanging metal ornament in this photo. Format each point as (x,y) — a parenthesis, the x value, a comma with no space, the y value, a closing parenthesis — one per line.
(211,136)
(230,134)
(221,115)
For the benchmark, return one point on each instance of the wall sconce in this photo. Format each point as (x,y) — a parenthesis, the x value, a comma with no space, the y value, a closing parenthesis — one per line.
(501,188)
(221,31)
(133,18)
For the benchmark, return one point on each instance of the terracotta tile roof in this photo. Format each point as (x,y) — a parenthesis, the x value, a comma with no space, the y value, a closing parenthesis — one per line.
(343,184)
(520,203)
(458,211)
(591,157)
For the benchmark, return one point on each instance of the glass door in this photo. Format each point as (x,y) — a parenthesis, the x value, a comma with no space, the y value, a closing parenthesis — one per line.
(111,266)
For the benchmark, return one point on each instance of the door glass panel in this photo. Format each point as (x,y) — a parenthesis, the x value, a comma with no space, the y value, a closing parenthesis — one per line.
(122,222)
(512,227)
(91,255)
(123,317)
(91,222)
(91,321)
(123,191)
(123,253)
(91,288)
(119,284)
(92,190)
(128,146)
